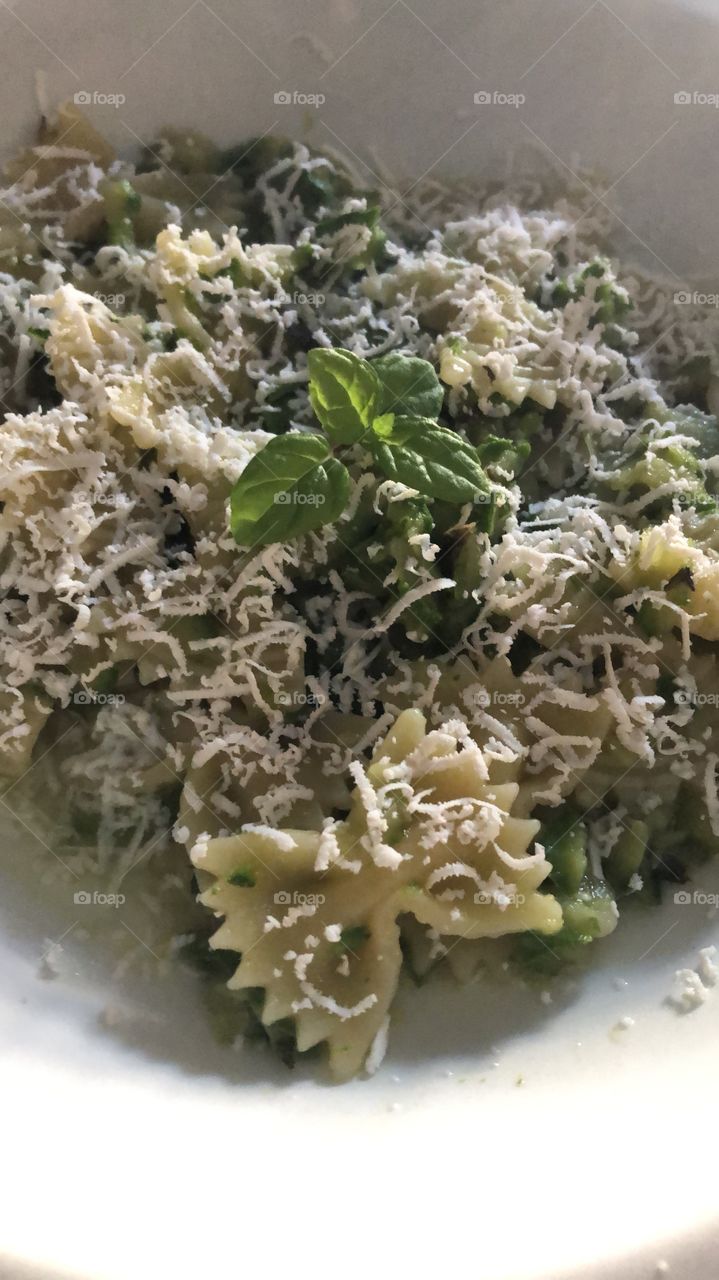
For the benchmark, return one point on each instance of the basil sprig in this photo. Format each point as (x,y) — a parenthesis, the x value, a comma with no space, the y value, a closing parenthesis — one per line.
(389,405)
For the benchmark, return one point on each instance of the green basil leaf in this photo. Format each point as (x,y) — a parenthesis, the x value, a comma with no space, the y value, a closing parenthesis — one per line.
(344,392)
(437,462)
(408,385)
(383,426)
(292,486)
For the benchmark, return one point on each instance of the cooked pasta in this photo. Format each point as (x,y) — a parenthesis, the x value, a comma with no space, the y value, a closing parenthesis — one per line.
(367,571)
(426,836)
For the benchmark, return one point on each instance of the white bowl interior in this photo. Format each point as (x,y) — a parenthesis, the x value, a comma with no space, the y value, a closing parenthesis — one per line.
(521,1138)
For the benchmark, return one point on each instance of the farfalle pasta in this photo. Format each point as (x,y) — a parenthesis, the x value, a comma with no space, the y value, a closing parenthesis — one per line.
(314,914)
(360,568)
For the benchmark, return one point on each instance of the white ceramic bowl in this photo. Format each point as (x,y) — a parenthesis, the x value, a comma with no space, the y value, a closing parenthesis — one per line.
(504,1137)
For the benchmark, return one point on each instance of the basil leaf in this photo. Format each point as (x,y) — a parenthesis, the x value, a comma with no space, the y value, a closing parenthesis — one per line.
(291,486)
(344,391)
(408,385)
(437,462)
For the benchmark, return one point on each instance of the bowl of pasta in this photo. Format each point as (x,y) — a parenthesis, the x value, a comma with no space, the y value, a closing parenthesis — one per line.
(359,512)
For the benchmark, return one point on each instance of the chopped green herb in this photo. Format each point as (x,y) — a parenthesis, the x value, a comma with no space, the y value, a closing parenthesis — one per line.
(353,936)
(122,203)
(242,878)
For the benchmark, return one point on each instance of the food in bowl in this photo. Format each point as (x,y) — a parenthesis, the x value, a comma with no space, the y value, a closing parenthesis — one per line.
(364,558)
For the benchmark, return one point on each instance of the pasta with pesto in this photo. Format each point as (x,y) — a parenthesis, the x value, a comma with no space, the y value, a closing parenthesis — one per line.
(359,564)
(425,836)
